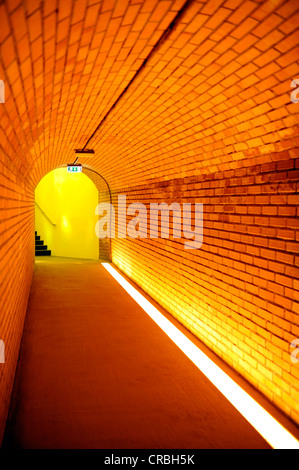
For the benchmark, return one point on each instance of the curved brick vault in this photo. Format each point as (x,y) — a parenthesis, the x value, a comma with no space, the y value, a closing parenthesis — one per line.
(181,101)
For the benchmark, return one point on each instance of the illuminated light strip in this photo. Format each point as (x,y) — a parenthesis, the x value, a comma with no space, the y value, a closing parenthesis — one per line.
(266,425)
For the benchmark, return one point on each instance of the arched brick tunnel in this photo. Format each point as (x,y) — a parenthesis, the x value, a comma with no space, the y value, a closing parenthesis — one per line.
(182,101)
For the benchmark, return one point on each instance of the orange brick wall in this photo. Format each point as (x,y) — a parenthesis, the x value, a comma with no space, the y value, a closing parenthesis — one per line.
(16,268)
(238,292)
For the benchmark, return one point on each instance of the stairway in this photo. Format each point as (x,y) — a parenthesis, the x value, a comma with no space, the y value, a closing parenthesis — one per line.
(40,248)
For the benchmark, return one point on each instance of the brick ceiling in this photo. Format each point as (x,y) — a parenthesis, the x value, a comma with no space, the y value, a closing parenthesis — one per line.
(159,89)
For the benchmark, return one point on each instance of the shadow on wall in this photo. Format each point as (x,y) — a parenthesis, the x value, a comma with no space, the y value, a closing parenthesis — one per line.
(65,216)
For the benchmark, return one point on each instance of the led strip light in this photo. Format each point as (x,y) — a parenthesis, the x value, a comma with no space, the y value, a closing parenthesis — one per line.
(266,425)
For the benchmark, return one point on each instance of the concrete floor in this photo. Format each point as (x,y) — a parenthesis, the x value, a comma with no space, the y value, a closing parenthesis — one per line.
(96,372)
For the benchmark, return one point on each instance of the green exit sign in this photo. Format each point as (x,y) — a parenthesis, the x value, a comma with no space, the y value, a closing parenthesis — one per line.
(74,168)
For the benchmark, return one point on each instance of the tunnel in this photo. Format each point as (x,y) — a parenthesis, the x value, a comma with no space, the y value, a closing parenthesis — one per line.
(183,115)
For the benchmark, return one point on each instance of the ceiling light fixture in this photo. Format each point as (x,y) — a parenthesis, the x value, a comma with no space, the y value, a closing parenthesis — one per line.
(84,152)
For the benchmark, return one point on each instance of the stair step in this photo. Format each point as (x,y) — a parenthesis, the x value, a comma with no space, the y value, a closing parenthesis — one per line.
(43,253)
(40,248)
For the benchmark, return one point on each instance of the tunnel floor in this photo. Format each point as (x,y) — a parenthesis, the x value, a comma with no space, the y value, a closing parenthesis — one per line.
(96,372)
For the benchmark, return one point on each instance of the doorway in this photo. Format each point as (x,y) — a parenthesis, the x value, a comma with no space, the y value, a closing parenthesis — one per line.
(65,216)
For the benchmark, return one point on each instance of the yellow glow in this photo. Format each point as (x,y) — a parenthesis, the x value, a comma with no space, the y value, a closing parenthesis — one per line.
(266,425)
(64,222)
(65,216)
